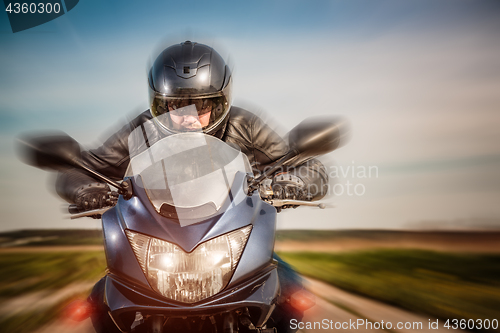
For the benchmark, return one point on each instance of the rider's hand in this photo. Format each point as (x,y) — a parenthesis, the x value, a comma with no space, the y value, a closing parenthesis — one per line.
(95,196)
(287,185)
(286,191)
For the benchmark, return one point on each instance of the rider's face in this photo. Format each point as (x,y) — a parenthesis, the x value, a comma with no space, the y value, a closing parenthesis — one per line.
(189,118)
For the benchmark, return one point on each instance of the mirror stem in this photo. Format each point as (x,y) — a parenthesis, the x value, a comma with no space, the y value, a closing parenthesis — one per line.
(101,177)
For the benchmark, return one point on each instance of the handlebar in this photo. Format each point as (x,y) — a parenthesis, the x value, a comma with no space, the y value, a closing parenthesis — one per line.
(289,202)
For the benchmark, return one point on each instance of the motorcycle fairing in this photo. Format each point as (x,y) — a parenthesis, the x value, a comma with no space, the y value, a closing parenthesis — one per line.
(259,293)
(142,217)
(137,215)
(254,283)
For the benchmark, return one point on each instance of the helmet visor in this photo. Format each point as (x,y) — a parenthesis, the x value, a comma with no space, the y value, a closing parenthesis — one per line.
(189,114)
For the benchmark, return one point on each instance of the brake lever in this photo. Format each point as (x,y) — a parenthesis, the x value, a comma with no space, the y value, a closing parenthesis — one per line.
(92,212)
(290,202)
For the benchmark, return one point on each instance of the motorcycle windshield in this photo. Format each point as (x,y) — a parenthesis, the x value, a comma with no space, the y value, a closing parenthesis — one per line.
(186,176)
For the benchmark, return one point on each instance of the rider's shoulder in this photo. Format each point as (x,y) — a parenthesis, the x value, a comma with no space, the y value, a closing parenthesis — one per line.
(143,117)
(239,115)
(137,121)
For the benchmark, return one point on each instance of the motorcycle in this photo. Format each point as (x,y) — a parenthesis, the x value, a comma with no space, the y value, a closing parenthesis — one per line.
(189,244)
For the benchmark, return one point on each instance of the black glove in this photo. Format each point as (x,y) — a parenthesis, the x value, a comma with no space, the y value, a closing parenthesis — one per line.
(286,185)
(289,192)
(95,196)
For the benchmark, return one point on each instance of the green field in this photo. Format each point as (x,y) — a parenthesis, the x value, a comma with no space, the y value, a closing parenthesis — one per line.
(21,273)
(51,237)
(439,284)
(25,273)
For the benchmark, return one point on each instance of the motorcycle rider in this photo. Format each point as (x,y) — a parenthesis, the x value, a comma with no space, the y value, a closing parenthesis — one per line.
(190,89)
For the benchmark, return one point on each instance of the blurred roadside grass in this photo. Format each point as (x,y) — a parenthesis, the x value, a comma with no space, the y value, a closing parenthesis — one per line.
(51,237)
(30,321)
(22,273)
(443,285)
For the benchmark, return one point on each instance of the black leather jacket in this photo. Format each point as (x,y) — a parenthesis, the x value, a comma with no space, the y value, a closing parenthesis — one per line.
(256,139)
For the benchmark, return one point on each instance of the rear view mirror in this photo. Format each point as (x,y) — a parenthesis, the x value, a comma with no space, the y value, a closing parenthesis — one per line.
(317,136)
(54,152)
(59,152)
(310,138)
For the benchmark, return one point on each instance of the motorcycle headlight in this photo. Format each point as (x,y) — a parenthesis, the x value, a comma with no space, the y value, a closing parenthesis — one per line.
(189,277)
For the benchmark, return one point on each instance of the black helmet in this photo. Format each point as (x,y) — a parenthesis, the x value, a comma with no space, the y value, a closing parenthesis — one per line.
(190,89)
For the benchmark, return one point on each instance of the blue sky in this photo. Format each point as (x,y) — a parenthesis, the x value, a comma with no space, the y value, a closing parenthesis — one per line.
(419,81)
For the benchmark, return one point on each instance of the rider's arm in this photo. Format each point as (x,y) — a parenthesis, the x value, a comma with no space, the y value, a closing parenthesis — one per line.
(110,159)
(263,146)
